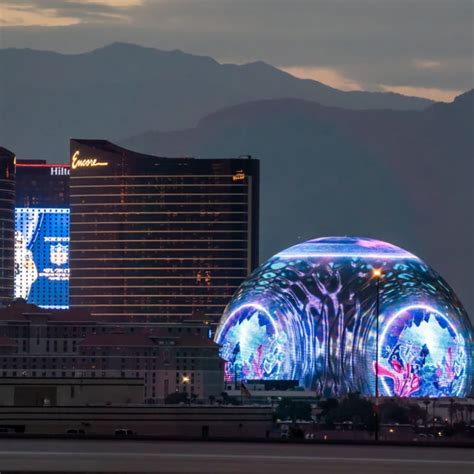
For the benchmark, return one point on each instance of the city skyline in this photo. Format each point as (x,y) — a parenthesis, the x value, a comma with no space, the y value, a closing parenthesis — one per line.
(246,221)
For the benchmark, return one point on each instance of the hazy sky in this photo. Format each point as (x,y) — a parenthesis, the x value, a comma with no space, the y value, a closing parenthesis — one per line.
(417,47)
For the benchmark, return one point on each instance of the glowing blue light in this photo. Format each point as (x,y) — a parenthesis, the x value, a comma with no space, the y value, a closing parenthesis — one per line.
(308,313)
(424,357)
(42,256)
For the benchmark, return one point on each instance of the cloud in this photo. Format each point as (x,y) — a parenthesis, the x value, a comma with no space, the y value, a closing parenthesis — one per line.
(15,15)
(328,76)
(439,95)
(369,44)
(53,13)
(426,64)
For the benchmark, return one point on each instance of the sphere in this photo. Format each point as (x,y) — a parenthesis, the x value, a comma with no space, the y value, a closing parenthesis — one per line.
(338,313)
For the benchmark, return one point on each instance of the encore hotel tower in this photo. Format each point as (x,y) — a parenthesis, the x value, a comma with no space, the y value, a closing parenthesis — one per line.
(159,239)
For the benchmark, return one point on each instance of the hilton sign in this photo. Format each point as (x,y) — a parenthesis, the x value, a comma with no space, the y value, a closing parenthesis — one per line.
(85,162)
(60,171)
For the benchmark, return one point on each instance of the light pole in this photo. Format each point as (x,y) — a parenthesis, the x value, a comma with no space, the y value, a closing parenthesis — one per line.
(434,400)
(377,274)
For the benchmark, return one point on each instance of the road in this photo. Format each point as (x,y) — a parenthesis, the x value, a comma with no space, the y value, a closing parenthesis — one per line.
(212,457)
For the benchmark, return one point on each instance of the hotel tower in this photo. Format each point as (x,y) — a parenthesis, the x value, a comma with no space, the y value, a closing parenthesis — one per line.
(159,239)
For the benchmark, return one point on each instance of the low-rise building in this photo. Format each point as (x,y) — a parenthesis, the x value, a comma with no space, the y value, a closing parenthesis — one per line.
(67,392)
(60,344)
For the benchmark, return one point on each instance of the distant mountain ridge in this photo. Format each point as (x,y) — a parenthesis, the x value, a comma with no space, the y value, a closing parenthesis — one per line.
(401,176)
(123,89)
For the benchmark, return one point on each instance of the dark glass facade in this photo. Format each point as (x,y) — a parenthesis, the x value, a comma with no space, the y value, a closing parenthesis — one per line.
(39,184)
(7,223)
(156,238)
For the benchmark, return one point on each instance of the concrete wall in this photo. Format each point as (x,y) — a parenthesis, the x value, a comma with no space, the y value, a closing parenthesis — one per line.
(172,421)
(69,391)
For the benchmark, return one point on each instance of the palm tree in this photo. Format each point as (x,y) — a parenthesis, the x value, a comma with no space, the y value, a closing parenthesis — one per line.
(434,408)
(461,410)
(451,410)
(426,402)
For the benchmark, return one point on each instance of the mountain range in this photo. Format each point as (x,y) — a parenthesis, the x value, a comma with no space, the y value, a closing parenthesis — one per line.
(124,89)
(374,164)
(401,176)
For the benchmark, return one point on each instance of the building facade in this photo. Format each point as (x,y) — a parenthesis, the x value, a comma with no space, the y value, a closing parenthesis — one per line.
(42,233)
(41,185)
(7,224)
(156,238)
(43,344)
(67,392)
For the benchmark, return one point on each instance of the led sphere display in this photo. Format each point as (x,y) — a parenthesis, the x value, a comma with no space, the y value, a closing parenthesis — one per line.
(338,313)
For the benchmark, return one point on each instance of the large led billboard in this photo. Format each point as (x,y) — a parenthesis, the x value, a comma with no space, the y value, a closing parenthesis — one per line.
(337,313)
(42,256)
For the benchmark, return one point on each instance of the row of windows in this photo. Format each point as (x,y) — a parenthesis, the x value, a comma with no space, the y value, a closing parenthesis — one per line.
(104,354)
(158,191)
(189,201)
(159,252)
(167,307)
(153,229)
(133,179)
(92,373)
(203,289)
(138,185)
(181,268)
(27,331)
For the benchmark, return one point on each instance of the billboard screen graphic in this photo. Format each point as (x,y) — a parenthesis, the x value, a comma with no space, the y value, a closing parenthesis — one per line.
(42,256)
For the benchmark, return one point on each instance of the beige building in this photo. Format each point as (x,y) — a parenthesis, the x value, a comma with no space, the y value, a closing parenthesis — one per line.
(70,344)
(67,392)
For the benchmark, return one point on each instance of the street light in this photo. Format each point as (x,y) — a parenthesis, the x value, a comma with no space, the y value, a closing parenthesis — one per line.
(376,272)
(377,275)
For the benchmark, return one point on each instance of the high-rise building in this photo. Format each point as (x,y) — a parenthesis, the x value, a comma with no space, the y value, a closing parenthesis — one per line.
(7,223)
(40,184)
(157,238)
(42,233)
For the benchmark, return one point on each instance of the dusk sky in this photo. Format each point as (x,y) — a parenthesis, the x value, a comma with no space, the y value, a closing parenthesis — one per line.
(415,47)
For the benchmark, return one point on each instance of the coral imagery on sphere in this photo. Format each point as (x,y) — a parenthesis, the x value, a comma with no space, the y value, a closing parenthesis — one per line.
(310,314)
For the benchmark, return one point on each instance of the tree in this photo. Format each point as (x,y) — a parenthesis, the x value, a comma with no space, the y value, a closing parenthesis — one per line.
(328,405)
(328,410)
(289,409)
(415,413)
(392,412)
(176,398)
(228,400)
(352,408)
